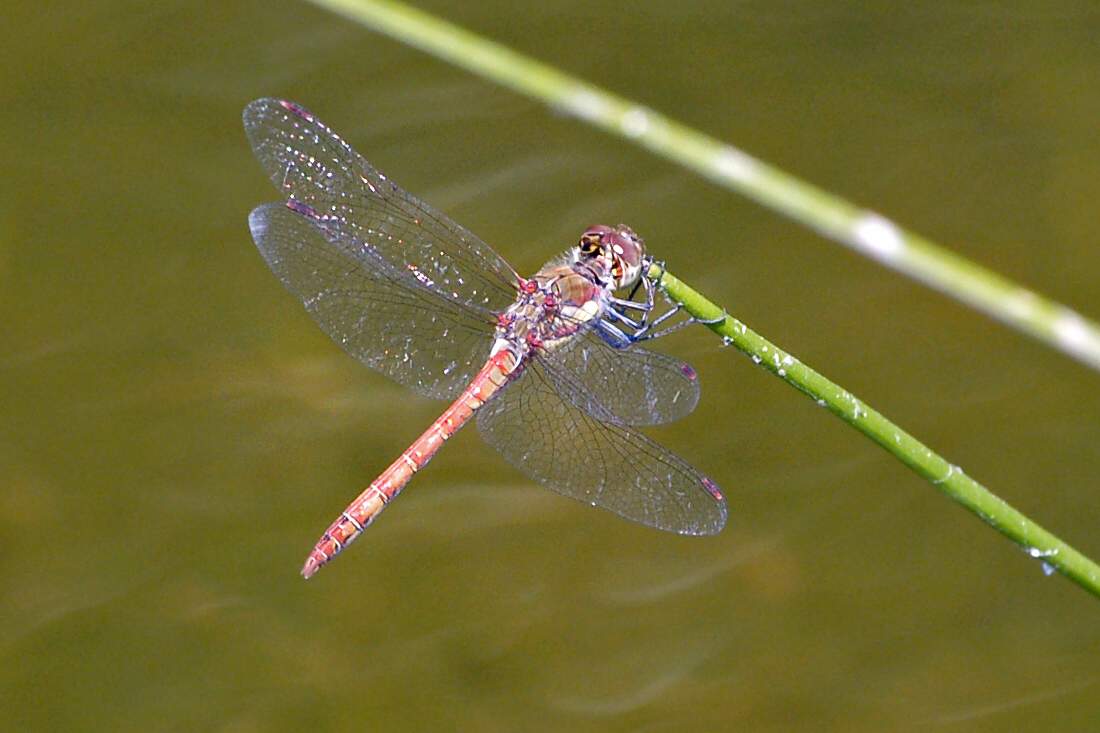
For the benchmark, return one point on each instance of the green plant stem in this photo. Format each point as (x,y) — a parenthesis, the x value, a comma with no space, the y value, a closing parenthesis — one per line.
(866,232)
(947,477)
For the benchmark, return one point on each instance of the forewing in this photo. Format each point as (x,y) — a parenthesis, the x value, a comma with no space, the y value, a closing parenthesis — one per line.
(590,455)
(309,162)
(379,314)
(637,386)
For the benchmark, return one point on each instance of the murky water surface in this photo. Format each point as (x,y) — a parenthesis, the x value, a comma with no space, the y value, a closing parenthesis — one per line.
(175,432)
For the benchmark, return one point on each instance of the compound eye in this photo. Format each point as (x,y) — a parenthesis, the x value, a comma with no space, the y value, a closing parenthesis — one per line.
(591,244)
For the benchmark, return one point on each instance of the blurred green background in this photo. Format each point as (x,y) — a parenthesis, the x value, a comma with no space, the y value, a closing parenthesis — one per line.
(175,433)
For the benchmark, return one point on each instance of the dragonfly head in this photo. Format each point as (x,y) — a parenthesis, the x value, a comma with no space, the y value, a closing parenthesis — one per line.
(614,253)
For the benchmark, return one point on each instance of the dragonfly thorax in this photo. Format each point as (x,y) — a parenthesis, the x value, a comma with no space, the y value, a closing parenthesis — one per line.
(574,291)
(561,299)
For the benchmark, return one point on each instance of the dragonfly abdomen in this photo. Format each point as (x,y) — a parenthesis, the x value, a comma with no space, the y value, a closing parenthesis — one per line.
(368,505)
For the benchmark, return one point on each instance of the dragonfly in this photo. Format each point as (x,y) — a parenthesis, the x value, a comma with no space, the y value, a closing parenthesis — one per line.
(550,365)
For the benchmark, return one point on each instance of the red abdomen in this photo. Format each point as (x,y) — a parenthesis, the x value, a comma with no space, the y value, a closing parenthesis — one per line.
(367,506)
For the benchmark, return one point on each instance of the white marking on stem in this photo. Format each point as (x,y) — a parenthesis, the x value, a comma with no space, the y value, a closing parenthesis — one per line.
(878,237)
(732,163)
(635,122)
(1074,333)
(951,470)
(587,105)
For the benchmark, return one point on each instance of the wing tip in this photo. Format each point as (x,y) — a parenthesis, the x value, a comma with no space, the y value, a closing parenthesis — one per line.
(258,113)
(712,489)
(255,110)
(715,493)
(258,221)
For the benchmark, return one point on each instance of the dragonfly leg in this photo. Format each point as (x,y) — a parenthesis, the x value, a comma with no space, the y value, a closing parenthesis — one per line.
(613,335)
(642,279)
(619,327)
(621,306)
(634,324)
(650,334)
(626,304)
(640,327)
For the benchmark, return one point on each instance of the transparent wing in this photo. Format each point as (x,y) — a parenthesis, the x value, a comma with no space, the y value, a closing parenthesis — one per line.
(590,455)
(309,162)
(381,315)
(637,386)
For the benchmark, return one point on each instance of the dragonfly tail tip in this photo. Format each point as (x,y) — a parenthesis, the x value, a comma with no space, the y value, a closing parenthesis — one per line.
(311,567)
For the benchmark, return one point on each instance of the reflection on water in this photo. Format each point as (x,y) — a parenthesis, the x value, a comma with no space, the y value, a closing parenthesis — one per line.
(174,430)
